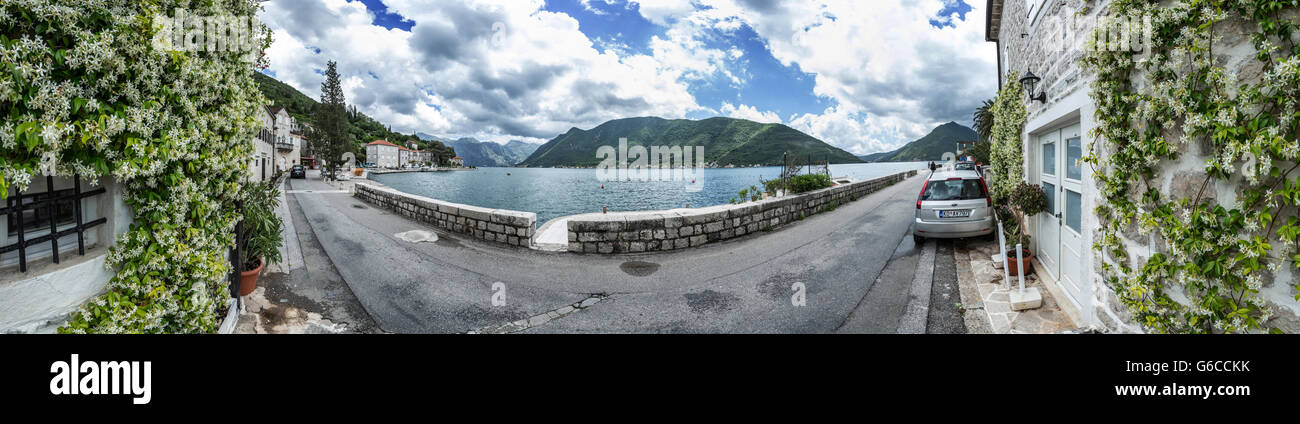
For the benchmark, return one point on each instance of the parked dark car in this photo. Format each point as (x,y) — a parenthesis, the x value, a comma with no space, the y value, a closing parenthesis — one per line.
(298,171)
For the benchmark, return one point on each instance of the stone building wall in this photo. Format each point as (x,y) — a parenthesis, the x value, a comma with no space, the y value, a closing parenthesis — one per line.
(1051,45)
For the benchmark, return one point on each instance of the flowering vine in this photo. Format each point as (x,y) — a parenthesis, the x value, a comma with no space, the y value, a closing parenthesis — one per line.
(1007,156)
(1212,255)
(86,93)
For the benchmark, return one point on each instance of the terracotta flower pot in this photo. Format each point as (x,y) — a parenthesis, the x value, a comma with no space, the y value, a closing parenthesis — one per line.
(1014,266)
(248,279)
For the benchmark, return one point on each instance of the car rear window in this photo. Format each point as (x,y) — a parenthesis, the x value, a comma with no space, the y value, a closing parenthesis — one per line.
(969,189)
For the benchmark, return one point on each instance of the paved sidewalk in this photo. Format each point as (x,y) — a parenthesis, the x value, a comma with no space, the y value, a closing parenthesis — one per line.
(986,299)
(304,293)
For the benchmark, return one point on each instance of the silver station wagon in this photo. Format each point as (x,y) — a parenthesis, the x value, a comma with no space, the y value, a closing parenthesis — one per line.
(953,204)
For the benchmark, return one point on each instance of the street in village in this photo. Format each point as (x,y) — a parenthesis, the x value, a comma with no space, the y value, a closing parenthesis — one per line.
(352,268)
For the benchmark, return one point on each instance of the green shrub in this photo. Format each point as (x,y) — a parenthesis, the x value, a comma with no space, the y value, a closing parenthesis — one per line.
(808,182)
(261,227)
(772,186)
(1026,201)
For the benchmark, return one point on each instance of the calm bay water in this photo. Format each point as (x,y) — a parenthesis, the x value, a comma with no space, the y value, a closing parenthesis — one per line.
(552,193)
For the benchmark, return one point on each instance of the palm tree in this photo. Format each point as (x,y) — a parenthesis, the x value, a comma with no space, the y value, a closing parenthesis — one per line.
(984,120)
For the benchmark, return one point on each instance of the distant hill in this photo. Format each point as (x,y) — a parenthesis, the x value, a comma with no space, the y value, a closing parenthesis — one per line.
(364,129)
(942,139)
(489,154)
(726,141)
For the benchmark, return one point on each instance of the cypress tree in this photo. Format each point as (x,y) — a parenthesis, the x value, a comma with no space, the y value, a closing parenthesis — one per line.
(331,136)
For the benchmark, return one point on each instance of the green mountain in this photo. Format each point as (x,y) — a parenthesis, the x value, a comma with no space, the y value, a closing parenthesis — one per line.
(364,129)
(726,141)
(487,153)
(931,147)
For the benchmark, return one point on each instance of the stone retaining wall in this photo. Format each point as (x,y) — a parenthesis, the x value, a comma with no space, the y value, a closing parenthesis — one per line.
(683,228)
(495,225)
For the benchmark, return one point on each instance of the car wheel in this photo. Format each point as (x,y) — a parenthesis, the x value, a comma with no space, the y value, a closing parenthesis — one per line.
(918,240)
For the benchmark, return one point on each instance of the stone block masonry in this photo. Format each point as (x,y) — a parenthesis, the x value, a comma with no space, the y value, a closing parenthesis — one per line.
(642,232)
(494,225)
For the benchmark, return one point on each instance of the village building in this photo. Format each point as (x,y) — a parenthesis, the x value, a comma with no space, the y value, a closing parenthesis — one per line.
(383,154)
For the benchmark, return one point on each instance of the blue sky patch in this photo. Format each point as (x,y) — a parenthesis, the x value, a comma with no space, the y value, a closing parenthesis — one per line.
(384,18)
(765,84)
(611,23)
(944,17)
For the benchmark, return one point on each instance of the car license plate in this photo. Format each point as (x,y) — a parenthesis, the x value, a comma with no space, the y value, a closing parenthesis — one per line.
(955,214)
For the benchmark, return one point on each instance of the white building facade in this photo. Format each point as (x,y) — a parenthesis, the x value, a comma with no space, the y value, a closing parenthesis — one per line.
(383,154)
(289,139)
(262,166)
(404,156)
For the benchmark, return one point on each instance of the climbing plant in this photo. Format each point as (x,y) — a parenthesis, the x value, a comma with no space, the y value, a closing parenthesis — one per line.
(86,91)
(1213,249)
(1006,154)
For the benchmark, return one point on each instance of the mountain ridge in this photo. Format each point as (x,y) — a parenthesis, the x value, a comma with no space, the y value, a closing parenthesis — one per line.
(726,141)
(486,153)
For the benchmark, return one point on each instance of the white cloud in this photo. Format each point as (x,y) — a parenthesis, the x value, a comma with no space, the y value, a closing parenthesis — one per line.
(661,12)
(749,112)
(856,132)
(447,76)
(889,75)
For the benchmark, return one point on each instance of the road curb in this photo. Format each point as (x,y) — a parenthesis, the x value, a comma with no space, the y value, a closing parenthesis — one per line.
(917,314)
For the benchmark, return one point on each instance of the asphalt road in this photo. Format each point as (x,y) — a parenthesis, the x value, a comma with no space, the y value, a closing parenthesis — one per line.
(836,261)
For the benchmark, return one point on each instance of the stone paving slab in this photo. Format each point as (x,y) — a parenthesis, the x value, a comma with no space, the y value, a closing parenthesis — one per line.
(987,299)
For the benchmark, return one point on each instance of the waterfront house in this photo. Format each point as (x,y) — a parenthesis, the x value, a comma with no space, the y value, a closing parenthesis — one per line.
(458,161)
(383,154)
(1049,38)
(422,157)
(403,156)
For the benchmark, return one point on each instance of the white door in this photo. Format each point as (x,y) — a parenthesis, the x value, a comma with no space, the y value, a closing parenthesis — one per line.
(1070,205)
(1059,238)
(1049,223)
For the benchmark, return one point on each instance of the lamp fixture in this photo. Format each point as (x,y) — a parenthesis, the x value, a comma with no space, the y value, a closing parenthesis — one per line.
(1029,81)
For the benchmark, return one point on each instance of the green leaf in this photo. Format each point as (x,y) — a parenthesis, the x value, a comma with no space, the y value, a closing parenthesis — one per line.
(77,103)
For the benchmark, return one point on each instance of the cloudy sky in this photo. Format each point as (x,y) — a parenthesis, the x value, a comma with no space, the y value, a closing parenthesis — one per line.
(864,75)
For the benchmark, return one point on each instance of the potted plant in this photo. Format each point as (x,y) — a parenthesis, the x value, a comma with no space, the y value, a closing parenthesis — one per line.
(259,235)
(1026,200)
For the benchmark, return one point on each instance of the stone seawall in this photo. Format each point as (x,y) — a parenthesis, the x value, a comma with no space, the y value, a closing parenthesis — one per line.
(683,228)
(495,225)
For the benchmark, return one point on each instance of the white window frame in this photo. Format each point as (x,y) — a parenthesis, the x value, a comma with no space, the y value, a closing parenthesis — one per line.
(1035,10)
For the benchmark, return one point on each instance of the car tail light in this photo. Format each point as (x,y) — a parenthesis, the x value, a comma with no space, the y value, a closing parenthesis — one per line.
(922,194)
(987,196)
